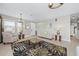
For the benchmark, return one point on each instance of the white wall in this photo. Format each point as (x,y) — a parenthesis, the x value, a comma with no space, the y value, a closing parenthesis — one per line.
(64,24)
(29,28)
(77,51)
(43,29)
(48,30)
(33,28)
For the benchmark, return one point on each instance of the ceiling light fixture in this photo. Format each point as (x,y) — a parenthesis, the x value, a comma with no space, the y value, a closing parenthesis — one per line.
(21,20)
(54,5)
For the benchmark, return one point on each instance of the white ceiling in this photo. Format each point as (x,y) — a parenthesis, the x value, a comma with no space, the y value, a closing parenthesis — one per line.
(37,11)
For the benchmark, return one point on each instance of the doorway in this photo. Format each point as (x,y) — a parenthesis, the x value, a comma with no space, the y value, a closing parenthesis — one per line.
(1,38)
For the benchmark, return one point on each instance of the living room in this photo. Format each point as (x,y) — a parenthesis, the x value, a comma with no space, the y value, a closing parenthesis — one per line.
(41,25)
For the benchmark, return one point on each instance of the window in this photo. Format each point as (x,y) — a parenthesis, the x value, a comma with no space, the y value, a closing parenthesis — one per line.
(19,27)
(9,26)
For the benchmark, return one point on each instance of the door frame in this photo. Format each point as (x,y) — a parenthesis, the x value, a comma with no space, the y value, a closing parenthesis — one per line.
(1,30)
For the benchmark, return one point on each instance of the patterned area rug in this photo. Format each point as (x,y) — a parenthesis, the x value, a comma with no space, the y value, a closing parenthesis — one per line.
(40,48)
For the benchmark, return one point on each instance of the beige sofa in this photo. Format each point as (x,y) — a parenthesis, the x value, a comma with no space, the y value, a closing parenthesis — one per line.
(8,37)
